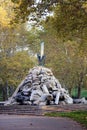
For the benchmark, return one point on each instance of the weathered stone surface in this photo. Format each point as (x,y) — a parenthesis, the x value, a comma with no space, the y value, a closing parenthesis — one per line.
(80,101)
(41,87)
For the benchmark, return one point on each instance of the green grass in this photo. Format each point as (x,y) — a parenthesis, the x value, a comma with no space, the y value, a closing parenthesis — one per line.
(79,116)
(83,93)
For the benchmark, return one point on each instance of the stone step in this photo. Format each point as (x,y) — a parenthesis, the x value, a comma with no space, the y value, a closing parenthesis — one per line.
(20,113)
(21,110)
(20,107)
(33,109)
(39,110)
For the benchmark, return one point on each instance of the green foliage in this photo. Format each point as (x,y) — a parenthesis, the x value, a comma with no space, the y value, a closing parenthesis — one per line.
(22,10)
(64,59)
(79,116)
(70,19)
(15,68)
(66,42)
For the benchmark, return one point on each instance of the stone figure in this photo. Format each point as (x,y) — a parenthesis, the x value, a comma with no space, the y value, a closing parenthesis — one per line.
(41,60)
(41,57)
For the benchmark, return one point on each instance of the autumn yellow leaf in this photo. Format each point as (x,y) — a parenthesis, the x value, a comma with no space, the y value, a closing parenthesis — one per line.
(4,20)
(85,6)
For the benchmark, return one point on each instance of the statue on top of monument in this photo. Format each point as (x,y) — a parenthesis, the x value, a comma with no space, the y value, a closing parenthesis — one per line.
(41,57)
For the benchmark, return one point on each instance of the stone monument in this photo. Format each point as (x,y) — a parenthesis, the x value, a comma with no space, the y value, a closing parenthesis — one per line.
(40,87)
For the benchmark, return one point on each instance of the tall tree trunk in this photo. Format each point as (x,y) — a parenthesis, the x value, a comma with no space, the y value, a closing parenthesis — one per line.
(70,91)
(5,91)
(80,85)
(79,92)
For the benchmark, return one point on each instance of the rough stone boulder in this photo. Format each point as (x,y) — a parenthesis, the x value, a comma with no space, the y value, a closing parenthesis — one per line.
(40,87)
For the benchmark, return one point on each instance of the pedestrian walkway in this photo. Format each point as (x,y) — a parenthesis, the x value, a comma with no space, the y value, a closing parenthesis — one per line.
(15,122)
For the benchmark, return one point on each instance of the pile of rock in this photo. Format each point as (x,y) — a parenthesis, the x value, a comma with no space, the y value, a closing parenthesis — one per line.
(40,87)
(80,101)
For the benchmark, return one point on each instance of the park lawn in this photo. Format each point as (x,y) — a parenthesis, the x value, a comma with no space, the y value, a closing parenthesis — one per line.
(79,116)
(83,93)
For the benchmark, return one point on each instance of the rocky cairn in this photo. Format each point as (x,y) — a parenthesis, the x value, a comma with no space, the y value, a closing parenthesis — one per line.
(40,87)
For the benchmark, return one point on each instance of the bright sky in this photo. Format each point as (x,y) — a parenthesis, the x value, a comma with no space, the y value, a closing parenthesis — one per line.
(38,1)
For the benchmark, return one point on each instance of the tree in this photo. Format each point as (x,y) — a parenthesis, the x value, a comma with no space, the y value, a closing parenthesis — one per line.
(70,20)
(6,13)
(12,46)
(13,70)
(64,35)
(70,25)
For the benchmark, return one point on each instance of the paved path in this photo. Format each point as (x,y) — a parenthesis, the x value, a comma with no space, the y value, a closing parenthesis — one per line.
(14,122)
